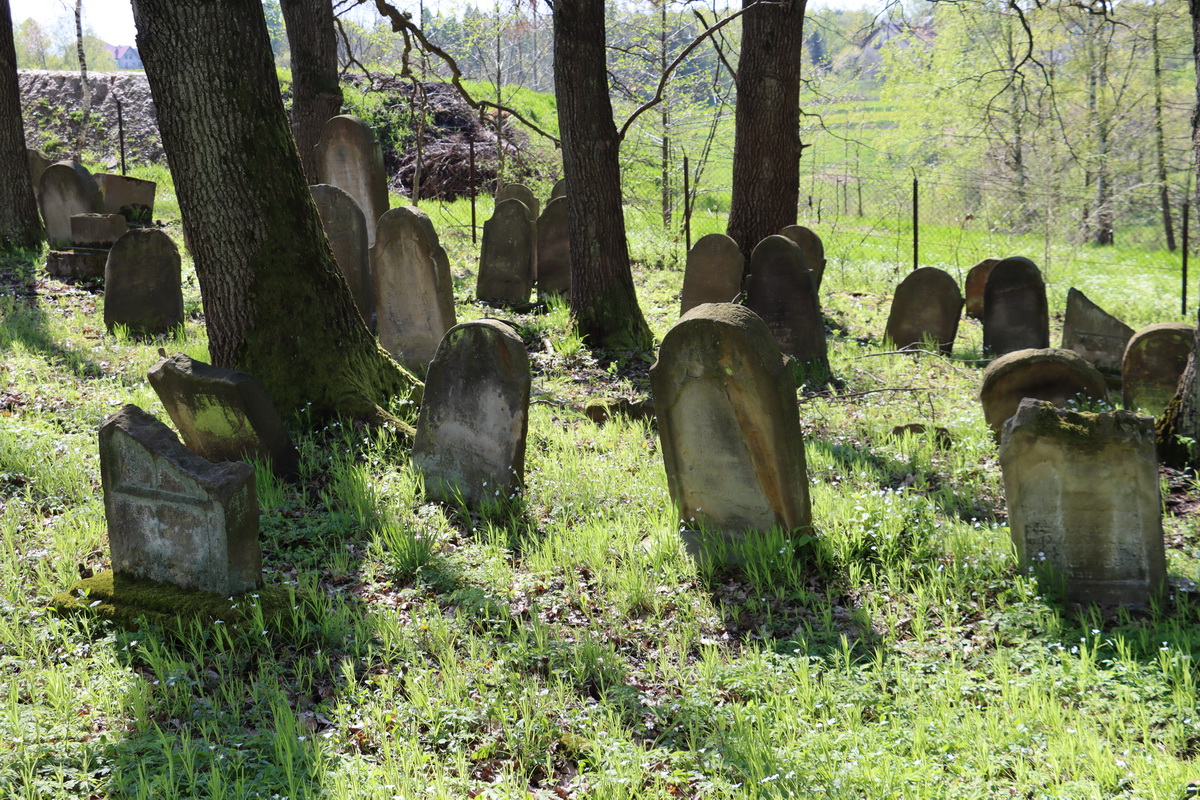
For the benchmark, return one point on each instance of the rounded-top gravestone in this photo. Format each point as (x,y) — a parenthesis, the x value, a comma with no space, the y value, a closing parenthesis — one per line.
(713,273)
(506,260)
(554,250)
(350,158)
(66,189)
(142,287)
(559,190)
(519,191)
(1057,376)
(977,280)
(927,305)
(346,228)
(812,247)
(1015,314)
(781,291)
(1154,360)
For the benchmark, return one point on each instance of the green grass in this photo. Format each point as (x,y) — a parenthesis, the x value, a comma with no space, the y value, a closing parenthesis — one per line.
(566,645)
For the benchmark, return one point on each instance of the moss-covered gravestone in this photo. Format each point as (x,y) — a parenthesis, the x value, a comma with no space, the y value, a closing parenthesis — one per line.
(553,250)
(470,442)
(1015,314)
(1153,362)
(1095,334)
(1050,374)
(65,189)
(346,228)
(223,414)
(506,266)
(977,279)
(812,247)
(781,291)
(713,273)
(350,158)
(143,289)
(1083,502)
(927,305)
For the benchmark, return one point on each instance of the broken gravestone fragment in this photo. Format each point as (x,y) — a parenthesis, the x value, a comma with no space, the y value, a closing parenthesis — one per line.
(1095,334)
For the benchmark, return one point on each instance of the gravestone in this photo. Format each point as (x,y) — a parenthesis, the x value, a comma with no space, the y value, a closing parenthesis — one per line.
(977,280)
(346,228)
(727,418)
(66,189)
(814,250)
(223,414)
(38,161)
(77,264)
(1048,374)
(519,191)
(414,296)
(1095,334)
(142,287)
(927,305)
(97,230)
(470,442)
(781,291)
(1153,361)
(1083,499)
(713,273)
(133,198)
(350,158)
(506,270)
(1015,315)
(173,516)
(559,190)
(553,250)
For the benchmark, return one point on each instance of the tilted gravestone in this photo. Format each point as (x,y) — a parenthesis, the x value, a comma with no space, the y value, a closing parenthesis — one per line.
(414,296)
(346,228)
(132,198)
(470,442)
(1095,334)
(559,190)
(519,191)
(1152,364)
(506,268)
(1083,499)
(927,305)
(554,250)
(1015,315)
(350,158)
(729,425)
(66,189)
(38,161)
(97,230)
(813,248)
(142,285)
(1057,376)
(713,273)
(781,291)
(977,280)
(223,414)
(173,516)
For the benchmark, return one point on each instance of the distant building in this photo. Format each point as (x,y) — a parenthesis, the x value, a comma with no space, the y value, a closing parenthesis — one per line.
(127,57)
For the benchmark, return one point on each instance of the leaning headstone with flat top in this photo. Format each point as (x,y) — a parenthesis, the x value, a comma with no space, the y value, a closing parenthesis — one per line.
(553,250)
(350,158)
(97,230)
(506,270)
(470,442)
(713,273)
(132,198)
(142,285)
(66,189)
(729,425)
(346,228)
(519,191)
(1083,501)
(223,414)
(813,248)
(1153,362)
(781,291)
(927,306)
(1095,334)
(977,280)
(1015,315)
(413,294)
(174,516)
(1058,376)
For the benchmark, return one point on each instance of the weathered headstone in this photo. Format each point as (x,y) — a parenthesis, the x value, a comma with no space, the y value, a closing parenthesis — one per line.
(814,250)
(133,198)
(350,158)
(506,269)
(142,287)
(1153,361)
(781,291)
(1015,315)
(223,414)
(66,189)
(1083,499)
(559,190)
(1095,334)
(977,280)
(1047,374)
(414,295)
(38,161)
(97,230)
(927,305)
(554,250)
(346,228)
(173,516)
(713,273)
(729,425)
(519,191)
(470,441)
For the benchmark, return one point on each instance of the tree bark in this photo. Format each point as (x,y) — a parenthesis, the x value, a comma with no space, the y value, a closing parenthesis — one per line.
(766,149)
(1164,194)
(316,94)
(20,223)
(83,79)
(275,302)
(603,299)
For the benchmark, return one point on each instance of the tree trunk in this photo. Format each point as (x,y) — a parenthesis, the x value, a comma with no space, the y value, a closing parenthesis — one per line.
(316,95)
(83,80)
(20,223)
(275,302)
(766,149)
(603,299)
(1164,194)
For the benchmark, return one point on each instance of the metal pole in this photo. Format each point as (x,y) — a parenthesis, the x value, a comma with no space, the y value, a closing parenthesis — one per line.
(916,227)
(471,144)
(121,135)
(1183,289)
(687,204)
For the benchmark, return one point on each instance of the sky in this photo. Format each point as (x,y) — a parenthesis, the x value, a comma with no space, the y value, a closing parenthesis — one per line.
(112,20)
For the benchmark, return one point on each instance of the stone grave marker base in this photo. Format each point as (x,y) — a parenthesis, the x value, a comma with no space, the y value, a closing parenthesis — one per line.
(79,264)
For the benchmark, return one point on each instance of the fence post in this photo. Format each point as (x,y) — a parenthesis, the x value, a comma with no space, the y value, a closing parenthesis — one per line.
(916,225)
(1184,279)
(121,135)
(687,204)
(471,145)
